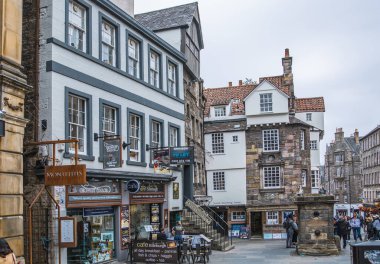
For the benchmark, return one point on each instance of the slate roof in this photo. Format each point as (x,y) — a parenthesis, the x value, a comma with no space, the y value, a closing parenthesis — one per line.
(223,96)
(173,17)
(350,141)
(371,132)
(312,104)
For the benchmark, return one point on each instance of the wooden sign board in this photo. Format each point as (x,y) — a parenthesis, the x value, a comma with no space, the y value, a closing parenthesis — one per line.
(65,175)
(68,232)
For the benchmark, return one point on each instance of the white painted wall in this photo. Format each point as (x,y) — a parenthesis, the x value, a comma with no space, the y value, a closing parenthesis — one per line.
(315,154)
(234,153)
(173,37)
(175,204)
(279,100)
(317,119)
(235,192)
(126,5)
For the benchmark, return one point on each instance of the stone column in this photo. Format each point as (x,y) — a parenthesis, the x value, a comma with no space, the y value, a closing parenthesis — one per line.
(12,92)
(315,225)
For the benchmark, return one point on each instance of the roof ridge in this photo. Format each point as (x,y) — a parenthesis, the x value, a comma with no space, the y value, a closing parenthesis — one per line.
(228,87)
(310,97)
(153,11)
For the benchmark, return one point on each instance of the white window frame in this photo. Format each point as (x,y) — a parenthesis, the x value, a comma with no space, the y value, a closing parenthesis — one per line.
(308,117)
(219,111)
(315,180)
(238,216)
(173,136)
(217,143)
(266,102)
(77,31)
(134,57)
(172,78)
(272,177)
(135,132)
(78,122)
(109,120)
(271,140)
(314,144)
(154,68)
(302,139)
(108,43)
(218,181)
(156,134)
(272,218)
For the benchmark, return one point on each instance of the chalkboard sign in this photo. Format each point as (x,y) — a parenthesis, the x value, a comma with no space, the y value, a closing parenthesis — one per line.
(68,232)
(111,153)
(154,251)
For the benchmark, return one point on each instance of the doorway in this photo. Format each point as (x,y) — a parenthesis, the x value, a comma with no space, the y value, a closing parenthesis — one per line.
(256,225)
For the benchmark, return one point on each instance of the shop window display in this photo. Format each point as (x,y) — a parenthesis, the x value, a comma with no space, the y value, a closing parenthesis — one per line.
(96,235)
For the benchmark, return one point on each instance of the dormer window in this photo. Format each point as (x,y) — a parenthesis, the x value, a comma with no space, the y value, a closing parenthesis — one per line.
(266,102)
(220,111)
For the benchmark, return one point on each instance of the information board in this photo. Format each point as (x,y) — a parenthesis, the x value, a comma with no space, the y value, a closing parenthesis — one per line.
(68,232)
(154,251)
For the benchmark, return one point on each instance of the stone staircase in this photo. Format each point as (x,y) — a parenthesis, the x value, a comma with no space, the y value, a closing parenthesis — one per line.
(193,224)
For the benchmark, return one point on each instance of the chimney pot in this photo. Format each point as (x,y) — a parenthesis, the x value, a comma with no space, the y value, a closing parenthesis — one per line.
(240,82)
(286,53)
(229,84)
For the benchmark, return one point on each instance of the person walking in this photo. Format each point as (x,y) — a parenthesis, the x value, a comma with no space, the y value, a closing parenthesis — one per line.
(376,226)
(356,226)
(295,234)
(178,231)
(342,229)
(6,253)
(369,226)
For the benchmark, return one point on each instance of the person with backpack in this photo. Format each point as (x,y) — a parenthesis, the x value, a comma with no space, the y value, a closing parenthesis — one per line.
(290,227)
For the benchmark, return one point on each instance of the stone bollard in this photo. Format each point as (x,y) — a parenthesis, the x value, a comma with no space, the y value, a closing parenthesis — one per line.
(316,230)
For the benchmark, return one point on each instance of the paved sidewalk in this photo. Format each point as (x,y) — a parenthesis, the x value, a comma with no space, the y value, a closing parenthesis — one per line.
(271,252)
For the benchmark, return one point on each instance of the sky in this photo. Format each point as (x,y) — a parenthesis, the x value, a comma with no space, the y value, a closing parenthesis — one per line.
(335,45)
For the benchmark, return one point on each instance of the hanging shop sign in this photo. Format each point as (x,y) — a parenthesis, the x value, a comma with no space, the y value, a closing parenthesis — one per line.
(111,153)
(133,186)
(181,155)
(161,155)
(65,175)
(150,251)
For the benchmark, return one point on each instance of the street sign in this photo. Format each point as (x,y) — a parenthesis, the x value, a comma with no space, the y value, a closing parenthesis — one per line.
(181,155)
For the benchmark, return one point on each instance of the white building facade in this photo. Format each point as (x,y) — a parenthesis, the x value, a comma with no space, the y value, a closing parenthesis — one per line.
(102,75)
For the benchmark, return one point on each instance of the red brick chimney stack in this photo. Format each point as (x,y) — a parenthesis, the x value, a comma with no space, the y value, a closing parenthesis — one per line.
(229,84)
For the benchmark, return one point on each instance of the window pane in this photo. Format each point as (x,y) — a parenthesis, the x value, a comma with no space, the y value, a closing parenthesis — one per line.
(217,142)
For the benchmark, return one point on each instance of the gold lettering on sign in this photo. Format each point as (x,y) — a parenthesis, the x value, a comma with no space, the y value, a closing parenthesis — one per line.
(65,175)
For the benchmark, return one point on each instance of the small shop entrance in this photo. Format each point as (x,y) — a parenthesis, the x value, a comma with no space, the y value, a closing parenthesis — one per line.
(256,225)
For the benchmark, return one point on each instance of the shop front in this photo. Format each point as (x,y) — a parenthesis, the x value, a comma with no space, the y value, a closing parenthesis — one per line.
(95,208)
(147,211)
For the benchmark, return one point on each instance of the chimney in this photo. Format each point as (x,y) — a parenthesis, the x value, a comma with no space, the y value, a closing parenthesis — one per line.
(356,136)
(240,82)
(288,80)
(229,84)
(126,5)
(339,135)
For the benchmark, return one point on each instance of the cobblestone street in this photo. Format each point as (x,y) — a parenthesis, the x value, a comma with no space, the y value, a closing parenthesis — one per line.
(271,251)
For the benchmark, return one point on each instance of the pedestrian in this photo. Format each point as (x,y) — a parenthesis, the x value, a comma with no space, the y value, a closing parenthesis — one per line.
(178,231)
(295,234)
(290,227)
(342,229)
(162,235)
(348,228)
(369,226)
(376,226)
(6,253)
(355,224)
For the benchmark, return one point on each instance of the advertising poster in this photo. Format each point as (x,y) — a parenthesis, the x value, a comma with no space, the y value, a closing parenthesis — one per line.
(124,226)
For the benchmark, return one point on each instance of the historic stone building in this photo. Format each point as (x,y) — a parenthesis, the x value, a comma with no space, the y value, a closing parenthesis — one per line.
(280,140)
(13,86)
(370,153)
(181,27)
(342,168)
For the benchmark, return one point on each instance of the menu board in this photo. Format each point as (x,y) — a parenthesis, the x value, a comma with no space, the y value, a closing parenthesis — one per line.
(111,153)
(155,218)
(124,226)
(68,234)
(151,251)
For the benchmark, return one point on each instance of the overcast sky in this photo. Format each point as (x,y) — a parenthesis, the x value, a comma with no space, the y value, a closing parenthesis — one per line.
(335,45)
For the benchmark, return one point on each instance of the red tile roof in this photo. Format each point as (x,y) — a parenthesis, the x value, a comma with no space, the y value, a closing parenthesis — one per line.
(223,96)
(276,81)
(315,104)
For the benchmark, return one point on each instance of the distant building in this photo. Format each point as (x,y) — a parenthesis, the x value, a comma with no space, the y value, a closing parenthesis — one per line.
(342,168)
(370,147)
(281,134)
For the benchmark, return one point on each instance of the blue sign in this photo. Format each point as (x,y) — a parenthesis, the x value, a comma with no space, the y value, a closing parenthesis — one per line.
(181,155)
(98,211)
